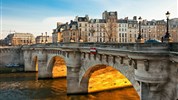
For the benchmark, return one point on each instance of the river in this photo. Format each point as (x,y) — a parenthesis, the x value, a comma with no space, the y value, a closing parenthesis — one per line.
(26,86)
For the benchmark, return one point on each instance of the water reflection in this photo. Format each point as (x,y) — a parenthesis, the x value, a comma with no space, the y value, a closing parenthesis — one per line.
(107,78)
(24,86)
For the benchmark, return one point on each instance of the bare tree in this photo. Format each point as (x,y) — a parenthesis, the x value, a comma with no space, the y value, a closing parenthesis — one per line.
(110,30)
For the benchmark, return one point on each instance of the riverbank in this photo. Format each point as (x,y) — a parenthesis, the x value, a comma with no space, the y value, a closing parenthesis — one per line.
(11,69)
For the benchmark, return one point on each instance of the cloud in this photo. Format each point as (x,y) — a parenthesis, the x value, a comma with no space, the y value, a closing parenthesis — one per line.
(30,26)
(52,20)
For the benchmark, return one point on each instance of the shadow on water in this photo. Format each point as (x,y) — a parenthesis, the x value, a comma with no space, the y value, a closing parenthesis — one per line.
(25,86)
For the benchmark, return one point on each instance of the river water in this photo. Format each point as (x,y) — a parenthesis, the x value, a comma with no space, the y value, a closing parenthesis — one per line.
(26,86)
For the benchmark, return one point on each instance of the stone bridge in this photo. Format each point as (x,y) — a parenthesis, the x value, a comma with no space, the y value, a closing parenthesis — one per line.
(152,68)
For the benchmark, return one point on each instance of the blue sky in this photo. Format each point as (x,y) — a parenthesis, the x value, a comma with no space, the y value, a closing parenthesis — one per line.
(39,16)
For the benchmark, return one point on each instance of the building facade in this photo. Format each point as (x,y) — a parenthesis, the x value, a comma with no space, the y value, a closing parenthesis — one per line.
(123,35)
(112,29)
(96,32)
(132,29)
(19,39)
(83,27)
(174,29)
(43,39)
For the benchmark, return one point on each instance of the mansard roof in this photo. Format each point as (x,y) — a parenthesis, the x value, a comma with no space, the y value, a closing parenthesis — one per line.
(82,19)
(160,22)
(75,23)
(97,21)
(130,21)
(151,23)
(122,21)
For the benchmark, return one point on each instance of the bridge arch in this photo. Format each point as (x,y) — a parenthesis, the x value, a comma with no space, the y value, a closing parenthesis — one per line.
(91,67)
(57,67)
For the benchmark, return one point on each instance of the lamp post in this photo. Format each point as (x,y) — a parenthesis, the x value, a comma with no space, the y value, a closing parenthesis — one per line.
(139,34)
(46,40)
(42,37)
(167,37)
(139,38)
(167,31)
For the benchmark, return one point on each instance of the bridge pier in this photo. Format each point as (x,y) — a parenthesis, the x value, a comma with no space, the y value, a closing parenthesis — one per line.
(73,69)
(27,61)
(43,72)
(73,86)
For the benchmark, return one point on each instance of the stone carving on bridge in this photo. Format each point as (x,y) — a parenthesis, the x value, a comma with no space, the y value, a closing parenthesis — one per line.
(134,63)
(146,63)
(121,59)
(130,61)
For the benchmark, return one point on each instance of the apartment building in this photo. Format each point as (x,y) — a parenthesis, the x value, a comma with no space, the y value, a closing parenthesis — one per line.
(96,32)
(123,35)
(111,29)
(19,39)
(43,39)
(83,27)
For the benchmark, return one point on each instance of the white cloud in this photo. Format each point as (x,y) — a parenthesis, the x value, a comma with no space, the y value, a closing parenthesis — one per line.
(35,27)
(52,20)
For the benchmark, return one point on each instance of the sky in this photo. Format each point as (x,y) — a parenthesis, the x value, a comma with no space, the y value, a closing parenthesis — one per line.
(40,16)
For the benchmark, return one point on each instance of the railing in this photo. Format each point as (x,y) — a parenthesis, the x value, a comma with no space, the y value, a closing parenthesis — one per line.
(123,46)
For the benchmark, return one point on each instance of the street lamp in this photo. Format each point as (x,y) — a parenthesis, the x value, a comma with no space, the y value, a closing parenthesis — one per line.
(139,38)
(46,40)
(42,37)
(167,37)
(139,34)
(167,32)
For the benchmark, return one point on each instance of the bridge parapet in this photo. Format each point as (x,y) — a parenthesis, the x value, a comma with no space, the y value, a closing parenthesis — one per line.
(124,46)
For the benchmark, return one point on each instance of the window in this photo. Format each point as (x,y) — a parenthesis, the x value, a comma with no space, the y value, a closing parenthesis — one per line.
(119,34)
(130,35)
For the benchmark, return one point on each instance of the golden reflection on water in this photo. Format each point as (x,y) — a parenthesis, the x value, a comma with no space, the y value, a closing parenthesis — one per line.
(107,78)
(25,86)
(59,68)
